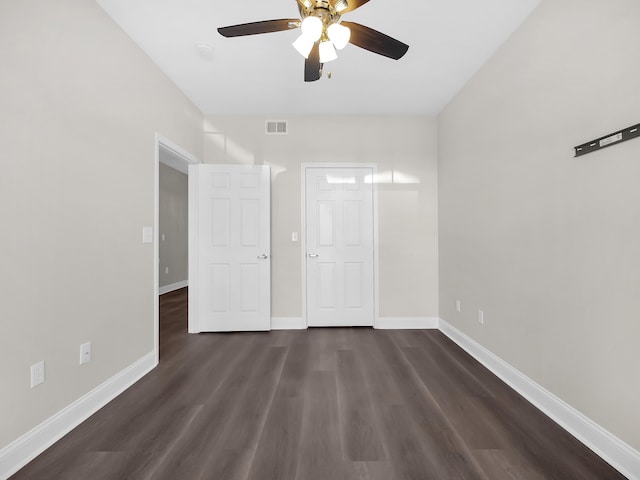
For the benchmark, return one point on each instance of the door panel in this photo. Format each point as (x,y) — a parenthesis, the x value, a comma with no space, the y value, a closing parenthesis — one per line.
(250,227)
(220,281)
(326,224)
(327,285)
(250,287)
(340,246)
(221,229)
(352,223)
(232,277)
(353,283)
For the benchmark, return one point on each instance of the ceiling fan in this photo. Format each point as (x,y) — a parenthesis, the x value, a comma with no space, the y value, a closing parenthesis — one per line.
(323,33)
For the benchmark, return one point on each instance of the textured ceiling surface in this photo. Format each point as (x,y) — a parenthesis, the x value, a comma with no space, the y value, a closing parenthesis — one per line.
(263,74)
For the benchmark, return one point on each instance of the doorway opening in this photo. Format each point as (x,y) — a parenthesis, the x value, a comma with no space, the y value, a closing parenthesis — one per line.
(174,160)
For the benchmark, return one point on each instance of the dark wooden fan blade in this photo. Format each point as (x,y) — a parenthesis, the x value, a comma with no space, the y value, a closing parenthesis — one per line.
(312,65)
(353,4)
(376,42)
(253,28)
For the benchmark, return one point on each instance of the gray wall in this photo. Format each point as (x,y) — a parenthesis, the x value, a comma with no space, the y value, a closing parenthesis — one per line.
(402,146)
(173,226)
(545,243)
(80,105)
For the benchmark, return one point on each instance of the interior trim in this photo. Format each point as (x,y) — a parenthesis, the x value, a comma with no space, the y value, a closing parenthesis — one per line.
(21,451)
(176,156)
(173,287)
(617,453)
(288,323)
(407,323)
(382,323)
(613,450)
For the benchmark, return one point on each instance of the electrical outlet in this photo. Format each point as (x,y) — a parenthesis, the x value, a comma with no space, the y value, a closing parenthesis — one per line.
(458,306)
(37,374)
(85,353)
(480,317)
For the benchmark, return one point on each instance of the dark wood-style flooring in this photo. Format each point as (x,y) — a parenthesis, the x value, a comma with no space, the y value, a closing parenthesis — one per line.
(319,404)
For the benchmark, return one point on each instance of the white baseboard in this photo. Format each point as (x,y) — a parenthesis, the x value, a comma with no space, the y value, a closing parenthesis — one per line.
(287,323)
(407,323)
(383,323)
(620,455)
(21,451)
(613,450)
(172,287)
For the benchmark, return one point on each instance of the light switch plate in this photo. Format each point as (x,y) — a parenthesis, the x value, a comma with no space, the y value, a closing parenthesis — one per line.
(85,353)
(147,234)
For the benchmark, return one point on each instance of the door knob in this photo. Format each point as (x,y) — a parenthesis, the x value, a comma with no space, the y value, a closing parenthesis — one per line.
(313,255)
(263,256)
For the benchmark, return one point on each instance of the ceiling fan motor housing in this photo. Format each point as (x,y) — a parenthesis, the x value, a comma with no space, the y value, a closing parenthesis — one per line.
(323,9)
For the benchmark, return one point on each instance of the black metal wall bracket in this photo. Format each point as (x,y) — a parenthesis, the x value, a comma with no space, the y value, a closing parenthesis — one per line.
(608,140)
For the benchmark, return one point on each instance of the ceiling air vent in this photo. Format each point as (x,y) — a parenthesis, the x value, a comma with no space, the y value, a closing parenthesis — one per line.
(276,127)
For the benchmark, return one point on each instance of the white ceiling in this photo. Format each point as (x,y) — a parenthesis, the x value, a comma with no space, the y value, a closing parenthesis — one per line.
(262,74)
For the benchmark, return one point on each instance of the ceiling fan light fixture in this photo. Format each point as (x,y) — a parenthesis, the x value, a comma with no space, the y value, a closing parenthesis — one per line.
(312,28)
(339,35)
(303,45)
(327,52)
(323,33)
(341,5)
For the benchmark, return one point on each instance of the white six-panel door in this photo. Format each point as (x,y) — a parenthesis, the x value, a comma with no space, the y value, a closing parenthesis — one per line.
(229,278)
(340,285)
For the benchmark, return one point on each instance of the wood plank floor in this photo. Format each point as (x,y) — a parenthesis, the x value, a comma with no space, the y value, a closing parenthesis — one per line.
(320,404)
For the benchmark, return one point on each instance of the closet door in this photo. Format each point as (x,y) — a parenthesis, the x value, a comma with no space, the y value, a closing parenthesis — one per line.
(339,246)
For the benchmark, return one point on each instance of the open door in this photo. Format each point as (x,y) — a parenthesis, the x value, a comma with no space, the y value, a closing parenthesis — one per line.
(229,254)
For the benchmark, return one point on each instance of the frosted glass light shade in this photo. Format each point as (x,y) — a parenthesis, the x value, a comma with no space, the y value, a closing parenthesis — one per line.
(303,45)
(340,5)
(312,28)
(327,52)
(339,35)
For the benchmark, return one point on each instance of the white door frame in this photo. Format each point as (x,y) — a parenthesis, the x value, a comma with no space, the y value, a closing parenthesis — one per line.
(303,232)
(182,160)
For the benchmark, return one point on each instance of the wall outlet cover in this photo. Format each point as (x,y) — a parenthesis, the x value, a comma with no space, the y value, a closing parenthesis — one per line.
(37,374)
